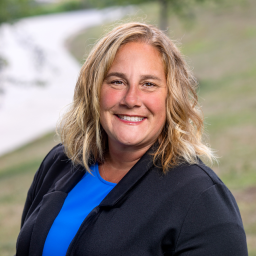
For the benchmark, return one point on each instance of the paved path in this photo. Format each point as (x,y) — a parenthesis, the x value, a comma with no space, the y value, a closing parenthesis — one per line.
(40,77)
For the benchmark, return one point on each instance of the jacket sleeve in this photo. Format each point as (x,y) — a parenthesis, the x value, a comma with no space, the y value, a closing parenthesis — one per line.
(36,184)
(212,226)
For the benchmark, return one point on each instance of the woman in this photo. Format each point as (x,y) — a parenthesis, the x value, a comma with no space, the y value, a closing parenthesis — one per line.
(127,179)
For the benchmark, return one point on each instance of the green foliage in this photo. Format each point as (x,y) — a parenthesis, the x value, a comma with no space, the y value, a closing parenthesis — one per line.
(106,3)
(12,10)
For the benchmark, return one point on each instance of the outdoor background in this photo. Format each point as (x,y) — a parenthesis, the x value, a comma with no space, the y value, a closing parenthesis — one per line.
(217,38)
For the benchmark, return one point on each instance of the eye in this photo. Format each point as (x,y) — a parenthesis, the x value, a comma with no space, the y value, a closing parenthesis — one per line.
(149,85)
(116,82)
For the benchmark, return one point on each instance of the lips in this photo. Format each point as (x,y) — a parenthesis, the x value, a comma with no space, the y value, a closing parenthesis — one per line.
(131,118)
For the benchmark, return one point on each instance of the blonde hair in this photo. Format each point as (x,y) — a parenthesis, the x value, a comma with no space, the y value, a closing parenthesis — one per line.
(80,130)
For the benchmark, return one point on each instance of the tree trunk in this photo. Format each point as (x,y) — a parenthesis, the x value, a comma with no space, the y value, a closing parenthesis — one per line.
(164,15)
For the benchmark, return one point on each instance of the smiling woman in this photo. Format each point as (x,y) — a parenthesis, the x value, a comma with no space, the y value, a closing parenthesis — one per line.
(127,178)
(133,101)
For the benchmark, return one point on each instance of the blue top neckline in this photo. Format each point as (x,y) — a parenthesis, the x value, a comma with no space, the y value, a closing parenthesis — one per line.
(96,169)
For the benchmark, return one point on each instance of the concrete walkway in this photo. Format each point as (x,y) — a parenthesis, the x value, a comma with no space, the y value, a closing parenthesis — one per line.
(41,75)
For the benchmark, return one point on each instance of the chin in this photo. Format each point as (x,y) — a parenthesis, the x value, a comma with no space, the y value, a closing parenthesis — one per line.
(129,142)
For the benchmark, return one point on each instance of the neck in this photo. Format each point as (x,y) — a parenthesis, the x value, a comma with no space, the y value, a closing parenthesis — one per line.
(124,157)
(119,160)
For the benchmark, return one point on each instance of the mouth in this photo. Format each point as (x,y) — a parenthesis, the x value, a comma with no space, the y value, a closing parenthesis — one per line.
(131,118)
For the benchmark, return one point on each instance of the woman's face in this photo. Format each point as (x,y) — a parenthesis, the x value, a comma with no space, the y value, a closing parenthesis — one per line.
(133,97)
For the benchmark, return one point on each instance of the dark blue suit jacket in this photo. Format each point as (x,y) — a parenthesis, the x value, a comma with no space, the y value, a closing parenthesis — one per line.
(186,212)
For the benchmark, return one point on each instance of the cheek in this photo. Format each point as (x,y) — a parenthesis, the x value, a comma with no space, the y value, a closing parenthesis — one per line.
(157,105)
(109,98)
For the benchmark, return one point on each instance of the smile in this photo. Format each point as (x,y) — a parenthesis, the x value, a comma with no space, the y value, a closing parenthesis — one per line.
(131,118)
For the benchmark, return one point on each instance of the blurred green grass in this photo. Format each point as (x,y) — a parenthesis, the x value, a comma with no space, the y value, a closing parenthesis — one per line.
(220,47)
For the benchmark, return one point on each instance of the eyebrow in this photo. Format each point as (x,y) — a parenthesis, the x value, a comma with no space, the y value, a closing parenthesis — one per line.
(143,77)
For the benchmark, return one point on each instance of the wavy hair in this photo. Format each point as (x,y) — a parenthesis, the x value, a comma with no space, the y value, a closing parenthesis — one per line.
(80,130)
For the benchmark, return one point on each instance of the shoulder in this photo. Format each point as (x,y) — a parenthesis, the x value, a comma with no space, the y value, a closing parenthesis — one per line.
(187,184)
(54,166)
(191,179)
(55,154)
(212,216)
(205,211)
(55,159)
(203,192)
(201,182)
(195,171)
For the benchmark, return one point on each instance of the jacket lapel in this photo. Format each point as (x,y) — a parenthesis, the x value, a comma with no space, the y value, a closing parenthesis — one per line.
(129,180)
(50,207)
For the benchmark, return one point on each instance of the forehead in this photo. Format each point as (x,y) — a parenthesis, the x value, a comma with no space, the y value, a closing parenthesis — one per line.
(138,55)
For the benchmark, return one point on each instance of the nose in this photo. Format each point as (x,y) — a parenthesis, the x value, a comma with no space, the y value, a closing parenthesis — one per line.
(131,97)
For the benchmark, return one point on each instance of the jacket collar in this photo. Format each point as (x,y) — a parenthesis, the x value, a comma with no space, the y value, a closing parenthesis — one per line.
(129,180)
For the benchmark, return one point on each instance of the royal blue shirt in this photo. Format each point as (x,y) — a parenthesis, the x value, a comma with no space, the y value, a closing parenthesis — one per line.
(85,196)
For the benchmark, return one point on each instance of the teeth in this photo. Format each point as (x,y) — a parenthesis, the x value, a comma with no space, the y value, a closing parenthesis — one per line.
(131,118)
